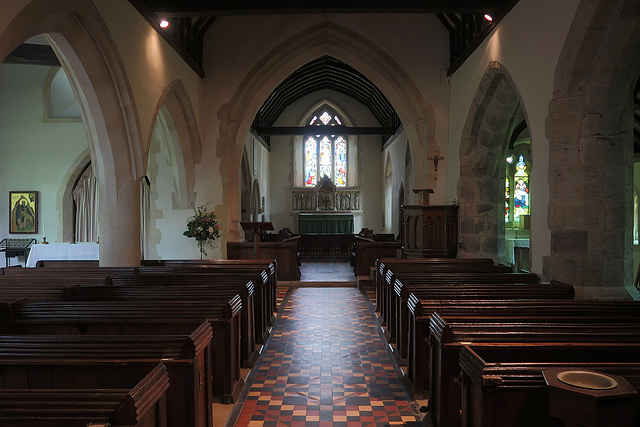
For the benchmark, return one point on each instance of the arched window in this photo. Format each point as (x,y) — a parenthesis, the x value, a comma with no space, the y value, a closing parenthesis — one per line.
(325,154)
(520,190)
(517,192)
(507,198)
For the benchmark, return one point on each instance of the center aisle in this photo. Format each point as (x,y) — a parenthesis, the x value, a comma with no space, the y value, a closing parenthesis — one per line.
(325,364)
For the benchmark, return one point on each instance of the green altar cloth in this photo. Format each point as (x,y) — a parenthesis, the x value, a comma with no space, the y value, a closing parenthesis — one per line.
(325,223)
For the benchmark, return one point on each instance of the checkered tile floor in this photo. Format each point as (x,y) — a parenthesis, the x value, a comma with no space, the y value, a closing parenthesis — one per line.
(325,365)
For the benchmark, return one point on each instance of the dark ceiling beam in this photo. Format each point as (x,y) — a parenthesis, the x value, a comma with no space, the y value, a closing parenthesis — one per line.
(33,54)
(327,74)
(468,39)
(180,49)
(324,130)
(171,8)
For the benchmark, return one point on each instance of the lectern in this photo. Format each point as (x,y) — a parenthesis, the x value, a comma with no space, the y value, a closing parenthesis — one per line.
(425,194)
(256,227)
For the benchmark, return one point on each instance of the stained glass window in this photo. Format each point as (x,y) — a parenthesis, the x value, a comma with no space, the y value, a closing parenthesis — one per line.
(310,161)
(507,197)
(325,154)
(325,157)
(340,161)
(521,189)
(636,232)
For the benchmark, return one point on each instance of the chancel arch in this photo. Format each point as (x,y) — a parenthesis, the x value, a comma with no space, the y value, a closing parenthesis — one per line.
(323,39)
(592,225)
(495,112)
(79,37)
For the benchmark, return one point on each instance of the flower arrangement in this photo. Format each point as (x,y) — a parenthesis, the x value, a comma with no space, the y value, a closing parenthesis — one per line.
(203,225)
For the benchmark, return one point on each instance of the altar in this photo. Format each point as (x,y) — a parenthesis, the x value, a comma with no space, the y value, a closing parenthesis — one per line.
(325,223)
(62,251)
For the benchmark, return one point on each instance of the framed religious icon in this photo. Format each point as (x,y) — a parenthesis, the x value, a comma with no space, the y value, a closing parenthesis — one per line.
(23,212)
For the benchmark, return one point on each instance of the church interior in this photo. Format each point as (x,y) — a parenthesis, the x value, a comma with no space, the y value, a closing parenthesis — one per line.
(320,214)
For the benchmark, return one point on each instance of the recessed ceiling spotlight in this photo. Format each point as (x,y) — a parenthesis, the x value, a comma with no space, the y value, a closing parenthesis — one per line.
(164,23)
(488,17)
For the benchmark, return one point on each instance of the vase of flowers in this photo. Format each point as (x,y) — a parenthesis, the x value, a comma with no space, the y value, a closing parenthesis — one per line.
(203,225)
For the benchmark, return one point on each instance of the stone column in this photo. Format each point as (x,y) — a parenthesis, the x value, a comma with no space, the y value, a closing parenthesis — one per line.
(119,225)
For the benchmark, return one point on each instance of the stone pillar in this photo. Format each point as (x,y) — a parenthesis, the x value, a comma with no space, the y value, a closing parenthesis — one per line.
(119,225)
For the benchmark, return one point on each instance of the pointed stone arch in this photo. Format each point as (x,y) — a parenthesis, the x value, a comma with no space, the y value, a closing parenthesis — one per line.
(495,111)
(175,108)
(590,132)
(325,38)
(82,40)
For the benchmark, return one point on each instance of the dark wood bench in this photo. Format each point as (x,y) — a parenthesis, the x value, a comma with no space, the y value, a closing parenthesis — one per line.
(180,287)
(503,384)
(68,263)
(264,294)
(368,251)
(420,310)
(140,405)
(473,288)
(47,361)
(385,270)
(154,317)
(86,272)
(396,313)
(450,333)
(444,275)
(286,253)
(41,289)
(266,268)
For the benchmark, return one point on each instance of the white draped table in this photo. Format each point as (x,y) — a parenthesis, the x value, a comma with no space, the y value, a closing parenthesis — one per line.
(62,251)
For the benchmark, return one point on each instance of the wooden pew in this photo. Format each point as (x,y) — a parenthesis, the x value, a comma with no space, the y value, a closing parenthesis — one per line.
(102,360)
(444,275)
(40,289)
(418,360)
(286,253)
(503,385)
(264,295)
(141,405)
(67,263)
(77,272)
(450,333)
(526,288)
(266,268)
(385,274)
(367,252)
(396,311)
(132,318)
(180,287)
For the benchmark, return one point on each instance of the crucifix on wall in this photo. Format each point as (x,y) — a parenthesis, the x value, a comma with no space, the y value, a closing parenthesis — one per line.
(435,159)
